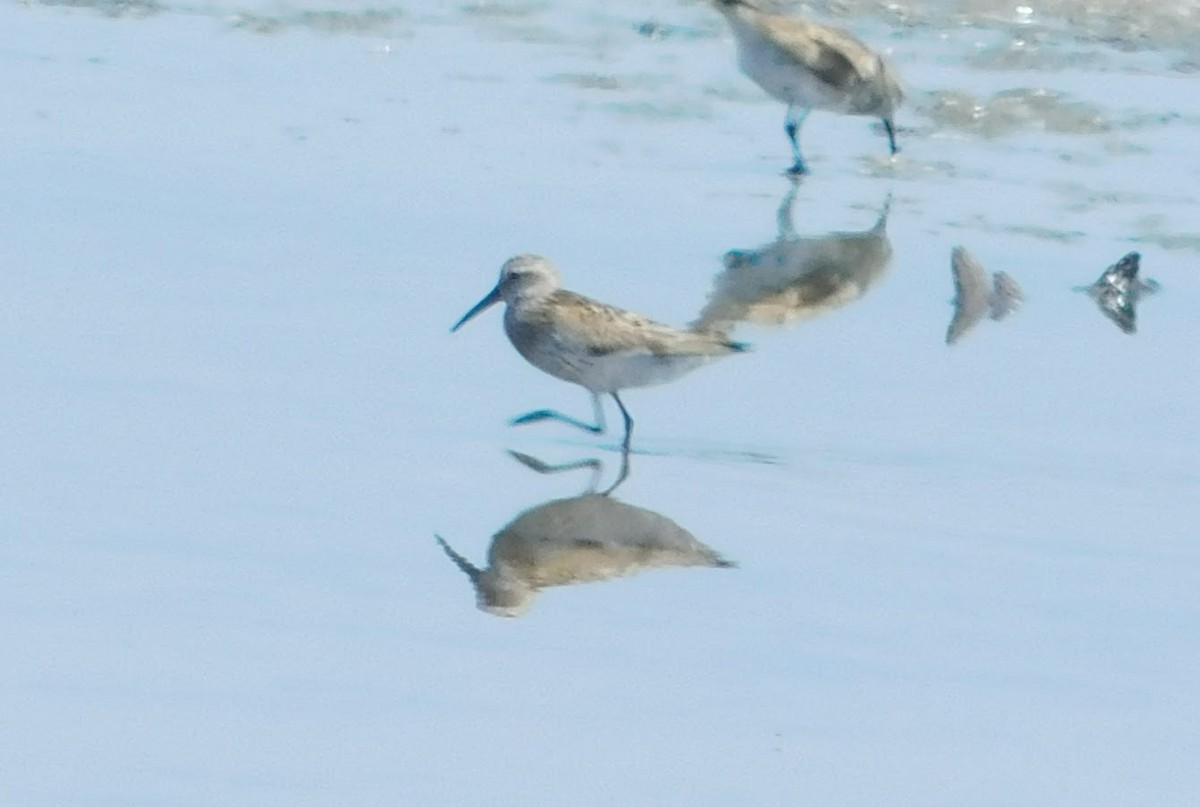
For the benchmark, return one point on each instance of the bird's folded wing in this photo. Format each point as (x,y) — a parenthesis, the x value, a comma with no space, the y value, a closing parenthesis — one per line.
(600,330)
(835,58)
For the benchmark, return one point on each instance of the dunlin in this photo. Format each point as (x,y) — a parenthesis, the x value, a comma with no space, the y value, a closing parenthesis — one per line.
(1118,291)
(810,66)
(600,347)
(974,297)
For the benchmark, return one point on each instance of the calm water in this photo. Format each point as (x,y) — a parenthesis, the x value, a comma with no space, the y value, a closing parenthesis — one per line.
(235,237)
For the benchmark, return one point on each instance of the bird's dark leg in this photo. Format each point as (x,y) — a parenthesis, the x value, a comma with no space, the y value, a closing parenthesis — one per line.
(890,128)
(628,423)
(791,126)
(550,414)
(624,473)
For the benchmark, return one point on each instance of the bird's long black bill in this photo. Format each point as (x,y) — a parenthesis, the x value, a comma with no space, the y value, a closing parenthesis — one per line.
(492,298)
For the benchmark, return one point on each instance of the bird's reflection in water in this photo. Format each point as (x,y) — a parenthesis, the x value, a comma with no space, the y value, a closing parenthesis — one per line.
(974,296)
(796,277)
(584,539)
(1118,291)
(592,463)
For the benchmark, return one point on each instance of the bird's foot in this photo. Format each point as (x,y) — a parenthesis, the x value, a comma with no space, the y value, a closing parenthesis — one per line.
(550,414)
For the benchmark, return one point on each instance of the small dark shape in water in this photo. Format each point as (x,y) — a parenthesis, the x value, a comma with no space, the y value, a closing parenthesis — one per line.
(974,297)
(651,29)
(1118,291)
(1006,296)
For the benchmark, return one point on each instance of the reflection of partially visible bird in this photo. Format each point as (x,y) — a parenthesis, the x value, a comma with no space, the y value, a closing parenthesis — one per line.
(974,297)
(584,539)
(810,66)
(602,348)
(796,277)
(1118,291)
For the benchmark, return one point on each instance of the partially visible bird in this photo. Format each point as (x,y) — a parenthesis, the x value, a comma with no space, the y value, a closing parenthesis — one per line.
(602,348)
(809,66)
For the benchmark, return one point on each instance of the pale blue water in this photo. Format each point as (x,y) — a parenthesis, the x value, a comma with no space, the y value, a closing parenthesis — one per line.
(235,238)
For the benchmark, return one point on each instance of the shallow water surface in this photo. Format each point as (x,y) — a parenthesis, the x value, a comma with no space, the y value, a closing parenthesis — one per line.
(853,566)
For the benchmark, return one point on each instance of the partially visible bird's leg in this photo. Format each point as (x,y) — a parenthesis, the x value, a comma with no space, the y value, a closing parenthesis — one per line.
(890,128)
(628,423)
(550,414)
(783,217)
(533,463)
(791,125)
(624,473)
(884,212)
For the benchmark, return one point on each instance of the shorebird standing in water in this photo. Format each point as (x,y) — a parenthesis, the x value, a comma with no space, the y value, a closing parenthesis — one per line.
(810,66)
(600,347)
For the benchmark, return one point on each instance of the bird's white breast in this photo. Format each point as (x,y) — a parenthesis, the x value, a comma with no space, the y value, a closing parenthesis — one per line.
(781,78)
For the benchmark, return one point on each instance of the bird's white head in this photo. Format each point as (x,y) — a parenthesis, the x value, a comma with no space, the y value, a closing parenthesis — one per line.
(523,278)
(527,277)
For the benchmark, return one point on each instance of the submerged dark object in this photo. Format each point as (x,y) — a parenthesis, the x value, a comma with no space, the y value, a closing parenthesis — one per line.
(1118,291)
